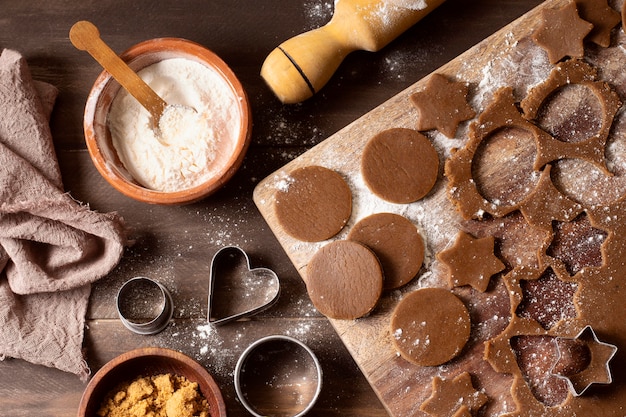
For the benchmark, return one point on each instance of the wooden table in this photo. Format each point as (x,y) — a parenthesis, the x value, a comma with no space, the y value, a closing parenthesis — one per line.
(174,245)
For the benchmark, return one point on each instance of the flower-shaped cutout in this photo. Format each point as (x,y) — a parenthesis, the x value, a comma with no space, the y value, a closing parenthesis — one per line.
(565,75)
(442,105)
(548,299)
(562,32)
(591,361)
(454,397)
(471,261)
(603,17)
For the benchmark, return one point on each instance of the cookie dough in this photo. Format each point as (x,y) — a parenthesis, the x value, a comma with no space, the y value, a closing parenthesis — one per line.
(313,203)
(344,280)
(576,110)
(430,326)
(603,17)
(400,165)
(396,242)
(442,105)
(471,261)
(562,32)
(455,395)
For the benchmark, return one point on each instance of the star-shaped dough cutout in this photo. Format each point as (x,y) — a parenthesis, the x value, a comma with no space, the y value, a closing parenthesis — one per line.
(455,397)
(597,356)
(471,261)
(603,17)
(442,105)
(562,33)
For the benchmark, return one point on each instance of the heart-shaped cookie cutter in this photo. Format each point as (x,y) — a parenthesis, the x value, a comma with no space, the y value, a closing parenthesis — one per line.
(257,279)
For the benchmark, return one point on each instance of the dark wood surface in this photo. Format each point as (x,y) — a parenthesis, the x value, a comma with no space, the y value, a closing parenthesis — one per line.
(174,245)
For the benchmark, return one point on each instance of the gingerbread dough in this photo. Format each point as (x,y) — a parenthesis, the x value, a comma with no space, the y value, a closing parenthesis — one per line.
(471,261)
(456,395)
(603,17)
(430,326)
(344,280)
(313,204)
(442,105)
(562,33)
(397,244)
(400,165)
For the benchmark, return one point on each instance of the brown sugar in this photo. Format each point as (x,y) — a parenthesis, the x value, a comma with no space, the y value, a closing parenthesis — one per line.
(164,395)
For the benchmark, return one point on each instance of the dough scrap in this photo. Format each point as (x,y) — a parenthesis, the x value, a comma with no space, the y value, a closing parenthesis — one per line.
(344,280)
(430,326)
(565,75)
(400,165)
(396,242)
(463,189)
(562,32)
(603,17)
(442,105)
(314,204)
(454,397)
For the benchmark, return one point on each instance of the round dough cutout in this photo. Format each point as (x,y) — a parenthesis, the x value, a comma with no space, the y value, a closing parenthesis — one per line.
(344,280)
(400,165)
(430,326)
(397,244)
(314,204)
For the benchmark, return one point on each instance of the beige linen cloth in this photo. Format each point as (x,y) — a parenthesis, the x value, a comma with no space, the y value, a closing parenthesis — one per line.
(51,247)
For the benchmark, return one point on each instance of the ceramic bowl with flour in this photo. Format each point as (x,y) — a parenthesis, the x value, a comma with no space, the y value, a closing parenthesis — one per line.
(188,154)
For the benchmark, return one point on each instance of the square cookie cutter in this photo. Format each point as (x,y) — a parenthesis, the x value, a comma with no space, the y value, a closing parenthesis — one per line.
(256,289)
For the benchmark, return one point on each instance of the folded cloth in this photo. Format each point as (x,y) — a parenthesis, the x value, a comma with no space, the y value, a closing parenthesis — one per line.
(52,248)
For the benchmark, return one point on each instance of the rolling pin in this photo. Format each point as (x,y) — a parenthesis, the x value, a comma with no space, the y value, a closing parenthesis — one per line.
(302,65)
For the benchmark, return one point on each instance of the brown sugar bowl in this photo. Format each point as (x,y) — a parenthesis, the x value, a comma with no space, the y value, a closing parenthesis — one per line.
(100,143)
(146,362)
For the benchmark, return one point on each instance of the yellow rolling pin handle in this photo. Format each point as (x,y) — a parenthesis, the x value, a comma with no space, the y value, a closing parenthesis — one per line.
(302,65)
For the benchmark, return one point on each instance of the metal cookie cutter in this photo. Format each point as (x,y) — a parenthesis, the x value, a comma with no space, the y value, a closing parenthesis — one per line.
(278,376)
(583,361)
(144,306)
(235,289)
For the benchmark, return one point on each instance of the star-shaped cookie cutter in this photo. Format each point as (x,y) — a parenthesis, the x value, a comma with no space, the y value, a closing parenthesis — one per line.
(596,368)
(252,282)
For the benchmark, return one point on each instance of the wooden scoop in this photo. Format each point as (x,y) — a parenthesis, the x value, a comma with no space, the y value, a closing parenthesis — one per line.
(86,37)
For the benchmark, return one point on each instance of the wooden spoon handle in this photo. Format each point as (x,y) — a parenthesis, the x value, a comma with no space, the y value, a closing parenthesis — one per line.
(86,37)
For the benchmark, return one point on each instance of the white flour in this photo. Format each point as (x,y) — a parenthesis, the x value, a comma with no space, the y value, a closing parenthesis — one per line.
(196,145)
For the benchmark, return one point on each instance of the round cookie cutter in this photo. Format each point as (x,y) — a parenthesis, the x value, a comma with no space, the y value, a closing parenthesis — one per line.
(144,305)
(278,376)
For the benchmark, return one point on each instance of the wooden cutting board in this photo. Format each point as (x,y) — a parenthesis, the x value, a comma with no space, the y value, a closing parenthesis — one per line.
(507,58)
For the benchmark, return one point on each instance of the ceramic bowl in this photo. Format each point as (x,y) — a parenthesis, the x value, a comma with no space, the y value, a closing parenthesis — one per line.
(149,361)
(100,143)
